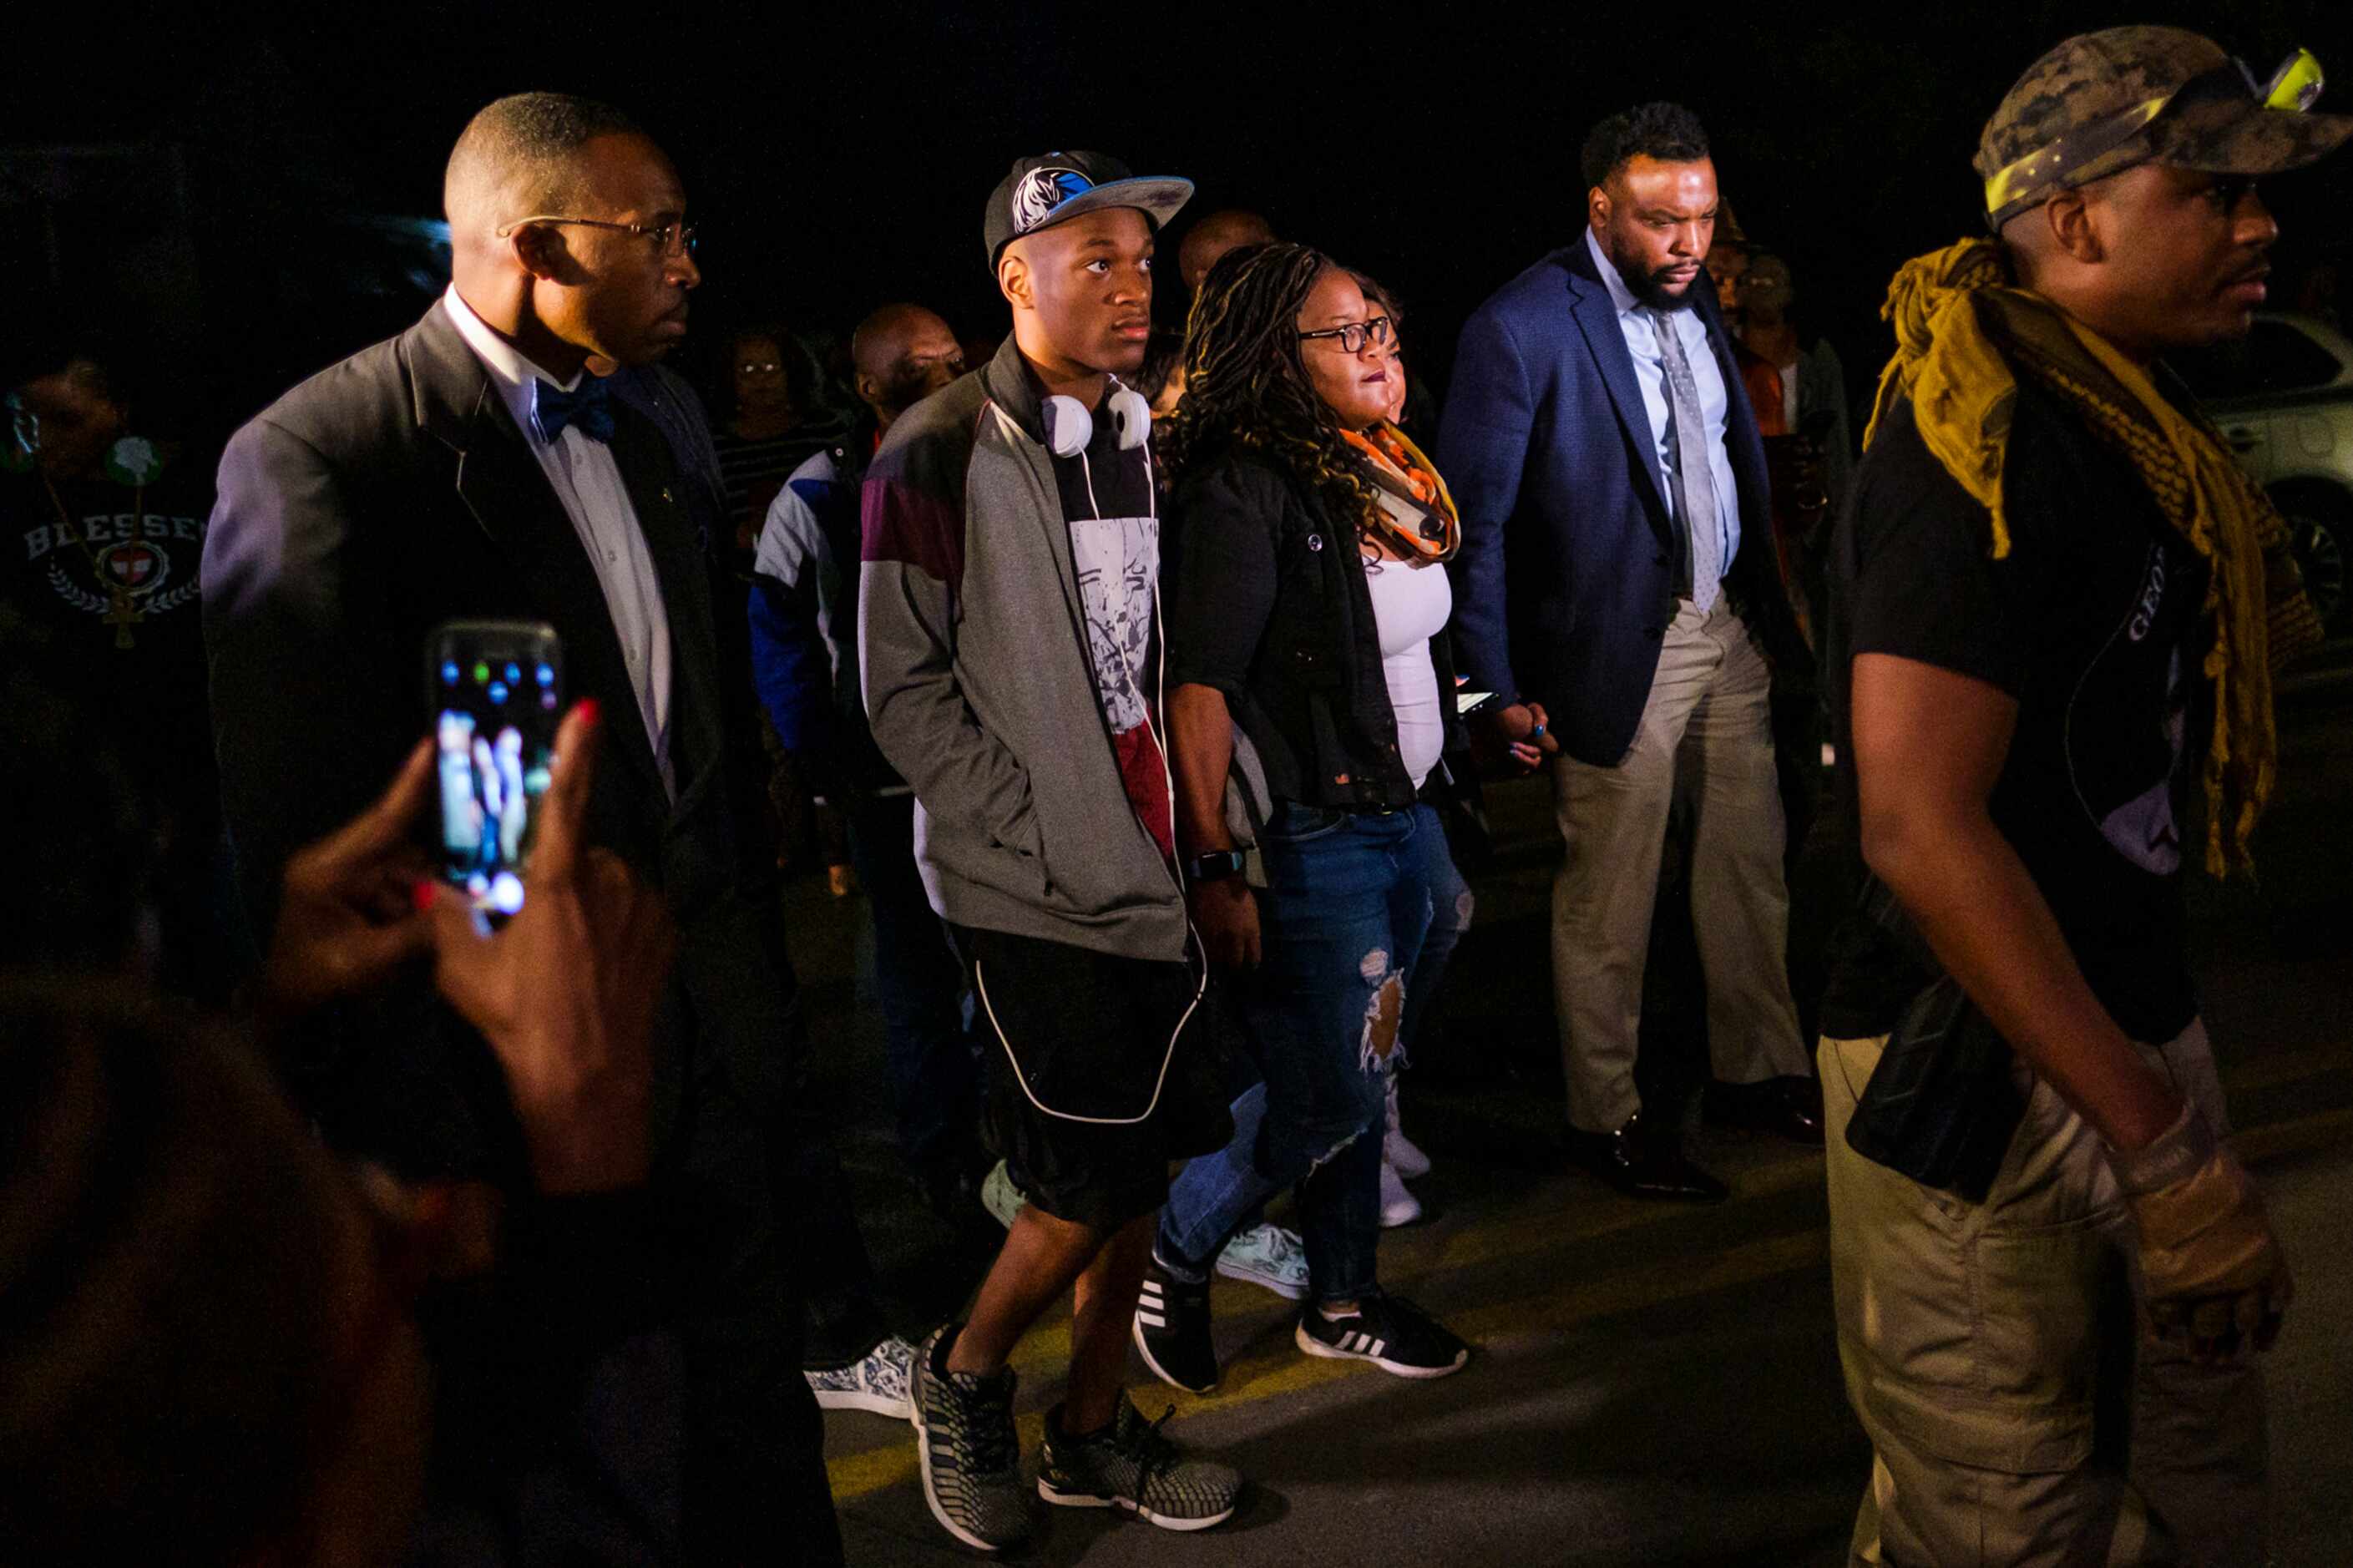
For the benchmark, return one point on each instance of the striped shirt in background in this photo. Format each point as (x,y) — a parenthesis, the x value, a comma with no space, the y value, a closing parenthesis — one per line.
(753,470)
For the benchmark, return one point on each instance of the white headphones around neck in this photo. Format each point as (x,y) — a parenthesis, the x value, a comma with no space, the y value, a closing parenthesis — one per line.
(1071,428)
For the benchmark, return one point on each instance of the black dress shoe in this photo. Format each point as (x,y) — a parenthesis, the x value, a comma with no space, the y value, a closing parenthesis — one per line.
(1640,1165)
(1790,1107)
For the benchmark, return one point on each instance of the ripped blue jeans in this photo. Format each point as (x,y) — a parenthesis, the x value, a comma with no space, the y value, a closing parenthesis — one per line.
(1343,926)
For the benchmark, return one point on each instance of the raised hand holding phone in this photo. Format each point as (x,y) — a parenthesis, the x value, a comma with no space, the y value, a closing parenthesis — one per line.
(565,991)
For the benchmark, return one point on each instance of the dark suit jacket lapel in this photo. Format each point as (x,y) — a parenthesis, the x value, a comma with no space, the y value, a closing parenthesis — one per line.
(1596,315)
(501,481)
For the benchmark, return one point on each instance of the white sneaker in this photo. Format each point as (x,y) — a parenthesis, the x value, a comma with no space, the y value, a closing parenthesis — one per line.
(1397,1205)
(882,1384)
(1000,1197)
(1268,1256)
(1397,1149)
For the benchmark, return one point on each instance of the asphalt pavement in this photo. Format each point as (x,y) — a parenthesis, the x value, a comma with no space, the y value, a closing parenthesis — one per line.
(1650,1385)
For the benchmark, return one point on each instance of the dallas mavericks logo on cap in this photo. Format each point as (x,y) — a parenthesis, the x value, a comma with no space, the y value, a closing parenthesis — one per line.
(1055,187)
(1040,191)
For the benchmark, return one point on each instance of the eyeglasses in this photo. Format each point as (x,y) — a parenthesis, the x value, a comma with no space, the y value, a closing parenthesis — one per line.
(675,238)
(1356,335)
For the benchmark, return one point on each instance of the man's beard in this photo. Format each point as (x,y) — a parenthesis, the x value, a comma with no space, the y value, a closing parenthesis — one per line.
(1647,288)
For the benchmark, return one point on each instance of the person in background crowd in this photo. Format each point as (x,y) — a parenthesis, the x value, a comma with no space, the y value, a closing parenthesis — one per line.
(770,428)
(104,517)
(1810,382)
(1728,266)
(1044,818)
(473,467)
(1161,381)
(1416,403)
(1313,537)
(1810,385)
(1212,234)
(2046,568)
(803,618)
(1637,609)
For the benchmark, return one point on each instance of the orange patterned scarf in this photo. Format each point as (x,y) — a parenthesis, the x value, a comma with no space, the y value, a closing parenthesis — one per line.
(1395,458)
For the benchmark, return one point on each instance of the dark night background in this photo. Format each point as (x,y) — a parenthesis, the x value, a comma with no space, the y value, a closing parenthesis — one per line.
(227,192)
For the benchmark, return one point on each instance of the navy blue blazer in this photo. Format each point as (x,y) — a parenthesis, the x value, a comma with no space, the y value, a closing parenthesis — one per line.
(1547,450)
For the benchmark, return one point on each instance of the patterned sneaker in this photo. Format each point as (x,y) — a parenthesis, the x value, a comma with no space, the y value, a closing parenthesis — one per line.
(970,1459)
(1386,1332)
(1000,1197)
(1268,1256)
(1133,1467)
(1172,1330)
(1399,1207)
(882,1381)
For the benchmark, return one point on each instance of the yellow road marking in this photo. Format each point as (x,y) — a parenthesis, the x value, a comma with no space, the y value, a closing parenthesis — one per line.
(1279,1369)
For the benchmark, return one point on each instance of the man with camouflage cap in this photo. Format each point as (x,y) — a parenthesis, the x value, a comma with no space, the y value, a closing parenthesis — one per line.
(2047,546)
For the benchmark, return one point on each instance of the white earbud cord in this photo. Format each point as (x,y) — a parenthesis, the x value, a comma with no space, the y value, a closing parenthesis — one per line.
(1167,779)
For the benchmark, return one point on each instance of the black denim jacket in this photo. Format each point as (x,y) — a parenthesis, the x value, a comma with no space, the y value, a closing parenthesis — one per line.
(1268,605)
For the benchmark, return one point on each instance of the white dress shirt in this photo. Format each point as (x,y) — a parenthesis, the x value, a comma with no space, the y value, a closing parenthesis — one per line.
(1634,322)
(588,480)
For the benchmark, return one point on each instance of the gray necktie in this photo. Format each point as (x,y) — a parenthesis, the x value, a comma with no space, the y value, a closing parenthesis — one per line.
(1694,474)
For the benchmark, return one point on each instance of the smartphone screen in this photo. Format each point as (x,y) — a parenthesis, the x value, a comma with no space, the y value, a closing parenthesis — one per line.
(1469,702)
(497,693)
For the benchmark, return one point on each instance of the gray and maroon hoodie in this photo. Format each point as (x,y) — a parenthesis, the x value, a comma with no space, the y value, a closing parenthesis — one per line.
(974,644)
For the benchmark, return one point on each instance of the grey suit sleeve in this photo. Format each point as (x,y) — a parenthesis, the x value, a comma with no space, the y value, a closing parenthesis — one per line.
(1482,451)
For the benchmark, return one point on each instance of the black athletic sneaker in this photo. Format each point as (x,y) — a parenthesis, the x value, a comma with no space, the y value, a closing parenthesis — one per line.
(1133,1467)
(970,1457)
(1390,1333)
(1172,1332)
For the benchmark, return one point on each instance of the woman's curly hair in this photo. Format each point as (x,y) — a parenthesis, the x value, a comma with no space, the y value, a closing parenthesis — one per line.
(1246,384)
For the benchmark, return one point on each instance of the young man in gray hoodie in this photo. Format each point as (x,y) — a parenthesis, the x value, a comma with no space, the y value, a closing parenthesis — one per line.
(1010,655)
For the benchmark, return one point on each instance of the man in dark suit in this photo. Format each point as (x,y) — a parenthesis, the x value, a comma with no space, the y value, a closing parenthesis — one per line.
(476,466)
(1597,434)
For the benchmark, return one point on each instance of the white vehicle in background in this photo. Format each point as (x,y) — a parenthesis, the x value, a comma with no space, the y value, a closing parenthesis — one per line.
(2284,399)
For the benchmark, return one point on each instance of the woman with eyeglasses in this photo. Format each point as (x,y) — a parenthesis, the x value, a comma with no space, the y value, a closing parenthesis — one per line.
(1307,632)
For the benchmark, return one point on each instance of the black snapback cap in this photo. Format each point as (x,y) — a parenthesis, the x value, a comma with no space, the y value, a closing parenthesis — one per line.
(1054,187)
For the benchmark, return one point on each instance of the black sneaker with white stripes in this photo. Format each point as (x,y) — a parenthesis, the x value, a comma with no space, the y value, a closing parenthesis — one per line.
(1172,1330)
(1392,1334)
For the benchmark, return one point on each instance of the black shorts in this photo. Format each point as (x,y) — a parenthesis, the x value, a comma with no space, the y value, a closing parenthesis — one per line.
(1078,1104)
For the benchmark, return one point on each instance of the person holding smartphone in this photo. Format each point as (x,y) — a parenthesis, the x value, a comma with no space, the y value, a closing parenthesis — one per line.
(1309,610)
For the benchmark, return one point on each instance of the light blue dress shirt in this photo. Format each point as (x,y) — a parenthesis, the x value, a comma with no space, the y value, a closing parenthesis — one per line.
(1651,373)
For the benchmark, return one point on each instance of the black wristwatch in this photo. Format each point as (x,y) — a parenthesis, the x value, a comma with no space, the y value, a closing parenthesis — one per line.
(1216,866)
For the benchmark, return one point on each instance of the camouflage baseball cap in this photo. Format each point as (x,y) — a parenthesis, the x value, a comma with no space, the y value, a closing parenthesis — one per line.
(2102,102)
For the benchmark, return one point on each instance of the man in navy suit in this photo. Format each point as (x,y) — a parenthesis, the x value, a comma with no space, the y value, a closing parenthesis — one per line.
(1597,435)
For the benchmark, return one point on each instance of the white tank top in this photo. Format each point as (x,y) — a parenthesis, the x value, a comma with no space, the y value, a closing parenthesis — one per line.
(1410,605)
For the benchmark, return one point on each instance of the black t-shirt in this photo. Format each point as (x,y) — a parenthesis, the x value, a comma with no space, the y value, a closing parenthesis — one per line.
(2094,622)
(100,585)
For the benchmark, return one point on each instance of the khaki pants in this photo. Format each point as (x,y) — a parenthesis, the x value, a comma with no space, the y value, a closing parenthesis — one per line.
(1706,735)
(2017,1413)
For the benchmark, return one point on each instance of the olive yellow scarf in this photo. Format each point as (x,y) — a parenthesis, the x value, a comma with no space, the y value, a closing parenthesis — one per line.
(1965,332)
